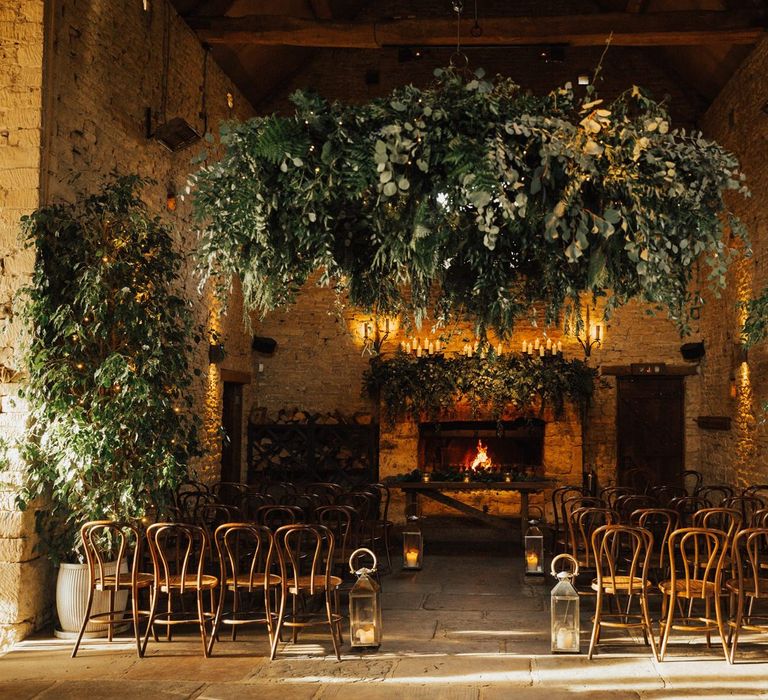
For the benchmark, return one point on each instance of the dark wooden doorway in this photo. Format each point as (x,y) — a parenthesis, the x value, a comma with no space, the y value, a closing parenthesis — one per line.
(232,425)
(650,428)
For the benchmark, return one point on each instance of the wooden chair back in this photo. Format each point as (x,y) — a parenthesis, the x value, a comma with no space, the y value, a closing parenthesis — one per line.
(696,555)
(275,517)
(178,552)
(715,493)
(692,481)
(111,547)
(305,556)
(621,554)
(725,519)
(245,554)
(661,523)
(584,521)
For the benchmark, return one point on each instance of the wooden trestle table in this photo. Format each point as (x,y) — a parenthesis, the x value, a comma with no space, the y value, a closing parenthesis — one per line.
(439,490)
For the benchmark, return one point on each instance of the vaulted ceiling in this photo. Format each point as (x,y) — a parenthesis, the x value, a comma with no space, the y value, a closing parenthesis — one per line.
(266,45)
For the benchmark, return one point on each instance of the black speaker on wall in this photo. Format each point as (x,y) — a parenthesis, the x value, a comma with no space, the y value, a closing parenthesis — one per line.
(266,346)
(692,351)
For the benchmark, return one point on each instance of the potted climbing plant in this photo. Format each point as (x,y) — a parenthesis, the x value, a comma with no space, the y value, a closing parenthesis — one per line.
(110,335)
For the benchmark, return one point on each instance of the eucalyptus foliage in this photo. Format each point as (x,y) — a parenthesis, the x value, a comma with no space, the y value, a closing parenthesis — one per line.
(493,197)
(427,386)
(109,381)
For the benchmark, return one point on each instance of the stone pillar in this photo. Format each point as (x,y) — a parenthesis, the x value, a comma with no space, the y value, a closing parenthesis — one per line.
(23,575)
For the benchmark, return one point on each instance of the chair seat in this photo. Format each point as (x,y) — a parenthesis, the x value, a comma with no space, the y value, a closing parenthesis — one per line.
(621,584)
(749,587)
(304,583)
(697,589)
(123,581)
(258,581)
(190,582)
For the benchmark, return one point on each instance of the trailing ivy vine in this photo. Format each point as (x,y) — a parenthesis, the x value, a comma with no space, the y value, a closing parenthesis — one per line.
(424,387)
(109,381)
(493,197)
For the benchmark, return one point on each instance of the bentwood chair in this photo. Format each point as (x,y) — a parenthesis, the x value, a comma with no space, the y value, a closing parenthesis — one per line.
(245,554)
(113,551)
(305,556)
(610,494)
(344,523)
(695,556)
(692,480)
(686,506)
(178,554)
(620,575)
(748,505)
(715,493)
(759,490)
(583,524)
(661,523)
(560,527)
(749,560)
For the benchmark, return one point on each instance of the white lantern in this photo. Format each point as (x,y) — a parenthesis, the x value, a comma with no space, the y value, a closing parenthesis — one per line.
(564,605)
(534,550)
(364,604)
(413,545)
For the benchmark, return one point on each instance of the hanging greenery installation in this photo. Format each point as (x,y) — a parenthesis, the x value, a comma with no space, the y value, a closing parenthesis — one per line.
(423,388)
(469,199)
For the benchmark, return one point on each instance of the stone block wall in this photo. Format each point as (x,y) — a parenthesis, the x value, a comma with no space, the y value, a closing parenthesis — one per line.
(732,388)
(77,77)
(24,578)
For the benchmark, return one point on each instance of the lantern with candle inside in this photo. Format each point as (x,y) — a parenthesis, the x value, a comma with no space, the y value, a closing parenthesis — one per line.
(564,605)
(364,603)
(534,549)
(413,544)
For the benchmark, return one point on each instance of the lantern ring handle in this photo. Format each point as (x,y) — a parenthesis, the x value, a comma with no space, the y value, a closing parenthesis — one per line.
(574,563)
(357,552)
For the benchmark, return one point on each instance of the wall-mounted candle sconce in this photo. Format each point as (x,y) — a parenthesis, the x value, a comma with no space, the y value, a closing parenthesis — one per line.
(592,335)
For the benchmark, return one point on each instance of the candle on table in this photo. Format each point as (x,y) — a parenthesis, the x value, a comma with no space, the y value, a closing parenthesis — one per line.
(412,558)
(418,351)
(525,346)
(431,348)
(549,343)
(530,349)
(536,344)
(366,635)
(438,345)
(541,351)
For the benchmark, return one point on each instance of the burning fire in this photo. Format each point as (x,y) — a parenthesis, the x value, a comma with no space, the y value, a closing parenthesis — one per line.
(481,460)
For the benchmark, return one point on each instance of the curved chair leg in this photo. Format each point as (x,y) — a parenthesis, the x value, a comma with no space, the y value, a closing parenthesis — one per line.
(85,621)
(110,626)
(648,629)
(217,620)
(667,627)
(737,627)
(135,616)
(235,607)
(201,620)
(595,623)
(278,628)
(153,596)
(331,624)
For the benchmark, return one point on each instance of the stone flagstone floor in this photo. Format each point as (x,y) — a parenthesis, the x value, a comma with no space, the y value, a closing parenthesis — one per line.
(467,626)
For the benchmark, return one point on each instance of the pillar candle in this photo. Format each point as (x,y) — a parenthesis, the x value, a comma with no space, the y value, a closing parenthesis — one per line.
(541,351)
(525,346)
(530,348)
(438,345)
(549,343)
(536,344)
(431,349)
(499,349)
(418,351)
(559,347)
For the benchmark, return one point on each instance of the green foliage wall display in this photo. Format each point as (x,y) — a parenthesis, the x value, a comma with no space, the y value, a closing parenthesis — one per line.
(424,387)
(494,197)
(109,382)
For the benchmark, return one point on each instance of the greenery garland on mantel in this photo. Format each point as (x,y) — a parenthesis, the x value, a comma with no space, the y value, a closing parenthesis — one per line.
(423,388)
(495,198)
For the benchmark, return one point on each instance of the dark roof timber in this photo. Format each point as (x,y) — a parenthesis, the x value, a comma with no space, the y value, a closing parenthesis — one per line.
(683,28)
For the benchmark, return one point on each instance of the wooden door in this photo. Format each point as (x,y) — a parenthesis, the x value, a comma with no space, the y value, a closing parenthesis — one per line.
(650,428)
(232,425)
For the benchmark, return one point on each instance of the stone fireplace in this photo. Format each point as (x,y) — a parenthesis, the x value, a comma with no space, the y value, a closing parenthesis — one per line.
(549,443)
(466,445)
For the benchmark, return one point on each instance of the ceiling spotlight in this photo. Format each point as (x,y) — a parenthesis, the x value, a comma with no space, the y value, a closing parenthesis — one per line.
(583,79)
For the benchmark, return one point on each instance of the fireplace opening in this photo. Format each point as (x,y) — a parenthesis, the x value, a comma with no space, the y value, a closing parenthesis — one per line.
(482,445)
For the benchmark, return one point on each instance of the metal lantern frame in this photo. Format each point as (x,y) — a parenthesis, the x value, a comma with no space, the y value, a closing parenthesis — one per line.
(533,549)
(565,626)
(413,545)
(365,626)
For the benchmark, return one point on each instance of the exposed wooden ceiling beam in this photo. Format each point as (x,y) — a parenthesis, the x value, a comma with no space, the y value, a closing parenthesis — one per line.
(321,9)
(652,29)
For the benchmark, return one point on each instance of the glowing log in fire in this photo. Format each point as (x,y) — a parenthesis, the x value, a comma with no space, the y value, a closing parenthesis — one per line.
(481,460)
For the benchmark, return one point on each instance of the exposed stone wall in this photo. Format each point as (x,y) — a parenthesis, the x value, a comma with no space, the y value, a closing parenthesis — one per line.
(732,388)
(104,65)
(23,575)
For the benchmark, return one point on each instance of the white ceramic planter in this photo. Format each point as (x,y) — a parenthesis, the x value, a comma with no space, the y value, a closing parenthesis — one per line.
(72,599)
